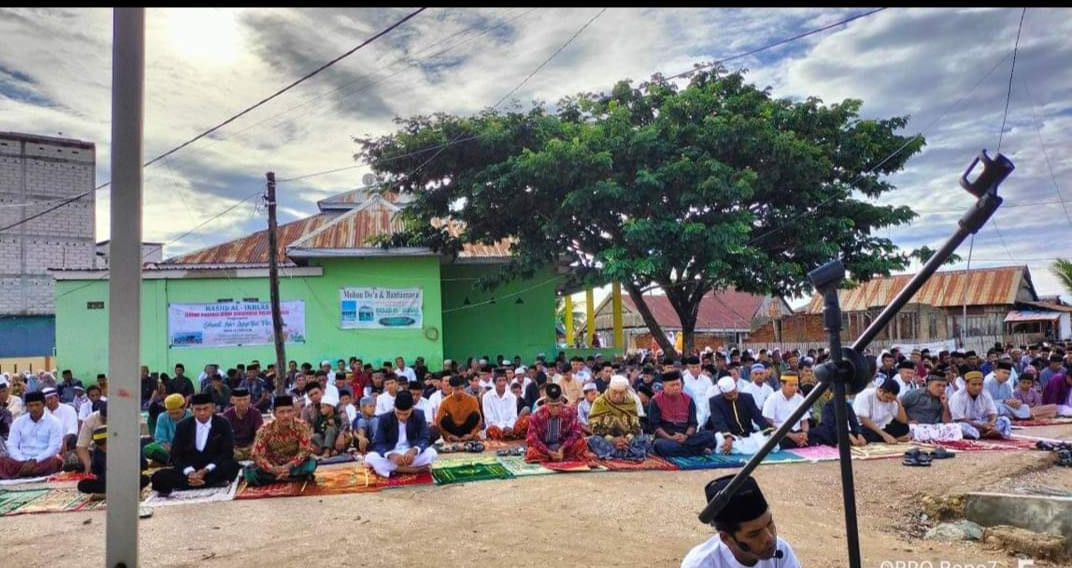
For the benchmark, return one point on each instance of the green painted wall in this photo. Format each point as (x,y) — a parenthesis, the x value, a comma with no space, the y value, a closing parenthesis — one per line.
(505,327)
(82,334)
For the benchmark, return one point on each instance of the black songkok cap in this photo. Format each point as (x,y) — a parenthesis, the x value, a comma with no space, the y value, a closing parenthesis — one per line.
(1004,365)
(906,365)
(201,398)
(554,392)
(240,392)
(36,396)
(283,400)
(747,504)
(404,400)
(457,381)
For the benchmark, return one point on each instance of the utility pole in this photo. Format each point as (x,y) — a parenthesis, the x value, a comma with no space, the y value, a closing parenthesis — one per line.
(273,290)
(124,288)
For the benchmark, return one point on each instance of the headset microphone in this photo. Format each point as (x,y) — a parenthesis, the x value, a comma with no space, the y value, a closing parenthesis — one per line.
(779,554)
(745,548)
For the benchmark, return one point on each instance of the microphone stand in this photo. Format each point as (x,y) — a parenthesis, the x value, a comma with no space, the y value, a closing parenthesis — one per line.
(848,370)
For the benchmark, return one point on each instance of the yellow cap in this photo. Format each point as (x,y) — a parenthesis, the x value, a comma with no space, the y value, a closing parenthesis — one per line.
(174,401)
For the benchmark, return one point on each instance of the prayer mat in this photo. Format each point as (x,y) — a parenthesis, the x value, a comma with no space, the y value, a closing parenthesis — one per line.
(67,476)
(286,489)
(189,496)
(404,479)
(988,445)
(518,467)
(875,451)
(495,445)
(12,499)
(573,466)
(713,461)
(652,463)
(817,453)
(353,479)
(94,504)
(470,472)
(1040,422)
(54,501)
(454,460)
(24,480)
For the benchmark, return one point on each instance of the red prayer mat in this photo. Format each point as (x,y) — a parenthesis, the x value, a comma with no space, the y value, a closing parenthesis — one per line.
(70,476)
(1041,422)
(288,489)
(341,481)
(653,463)
(403,479)
(570,466)
(987,445)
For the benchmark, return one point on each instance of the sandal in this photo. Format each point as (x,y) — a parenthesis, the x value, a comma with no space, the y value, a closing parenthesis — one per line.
(914,461)
(474,447)
(1064,458)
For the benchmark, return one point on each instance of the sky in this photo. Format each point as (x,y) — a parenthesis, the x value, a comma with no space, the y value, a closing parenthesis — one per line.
(947,69)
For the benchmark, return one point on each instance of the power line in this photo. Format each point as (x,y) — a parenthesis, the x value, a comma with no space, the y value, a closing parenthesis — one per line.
(1012,72)
(1045,152)
(775,44)
(245,111)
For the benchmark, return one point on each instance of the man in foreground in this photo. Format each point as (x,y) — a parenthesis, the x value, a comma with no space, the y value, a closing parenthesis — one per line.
(746,535)
(202,453)
(33,445)
(401,442)
(283,448)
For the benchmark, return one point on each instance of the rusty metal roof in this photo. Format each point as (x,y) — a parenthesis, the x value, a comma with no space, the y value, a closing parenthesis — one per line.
(978,287)
(357,228)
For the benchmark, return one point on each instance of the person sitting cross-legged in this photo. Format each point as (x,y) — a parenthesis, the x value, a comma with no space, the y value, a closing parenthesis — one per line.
(825,433)
(672,416)
(330,428)
(615,424)
(998,386)
(283,448)
(1031,398)
(364,426)
(34,442)
(98,464)
(976,412)
(245,421)
(500,413)
(554,433)
(459,414)
(160,449)
(735,419)
(401,441)
(780,406)
(202,453)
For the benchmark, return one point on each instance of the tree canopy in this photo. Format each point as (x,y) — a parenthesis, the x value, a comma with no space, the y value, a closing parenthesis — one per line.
(693,188)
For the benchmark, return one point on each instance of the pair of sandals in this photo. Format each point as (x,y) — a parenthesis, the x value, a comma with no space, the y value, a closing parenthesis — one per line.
(1048,446)
(918,458)
(471,446)
(518,451)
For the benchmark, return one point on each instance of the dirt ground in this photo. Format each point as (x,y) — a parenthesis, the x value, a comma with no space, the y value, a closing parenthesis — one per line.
(598,519)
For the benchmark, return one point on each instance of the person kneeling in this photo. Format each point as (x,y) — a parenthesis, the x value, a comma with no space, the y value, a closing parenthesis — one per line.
(401,440)
(283,448)
(202,451)
(554,432)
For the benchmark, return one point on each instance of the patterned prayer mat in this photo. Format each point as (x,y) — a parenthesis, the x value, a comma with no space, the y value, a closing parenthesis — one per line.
(652,463)
(782,456)
(454,460)
(191,496)
(1040,422)
(573,467)
(288,489)
(495,445)
(817,453)
(68,476)
(23,480)
(518,467)
(338,481)
(713,461)
(53,501)
(12,499)
(876,451)
(341,458)
(988,445)
(470,472)
(404,479)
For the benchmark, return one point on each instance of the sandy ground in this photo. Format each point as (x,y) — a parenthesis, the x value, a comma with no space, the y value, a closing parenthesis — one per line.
(603,519)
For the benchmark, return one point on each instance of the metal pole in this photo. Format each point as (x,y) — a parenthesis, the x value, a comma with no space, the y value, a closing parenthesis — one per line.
(273,290)
(124,288)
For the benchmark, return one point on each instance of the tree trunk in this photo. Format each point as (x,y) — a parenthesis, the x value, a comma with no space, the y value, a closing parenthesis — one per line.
(649,320)
(688,328)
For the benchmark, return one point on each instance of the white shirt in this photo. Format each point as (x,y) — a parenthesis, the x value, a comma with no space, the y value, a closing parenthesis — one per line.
(408,373)
(777,409)
(403,440)
(584,375)
(867,405)
(201,431)
(351,413)
(35,440)
(500,411)
(425,406)
(696,388)
(14,404)
(713,554)
(905,387)
(67,417)
(384,403)
(87,409)
(433,405)
(963,407)
(759,392)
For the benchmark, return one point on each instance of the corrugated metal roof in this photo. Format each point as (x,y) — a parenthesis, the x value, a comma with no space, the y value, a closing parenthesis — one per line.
(357,228)
(1017,316)
(724,310)
(979,287)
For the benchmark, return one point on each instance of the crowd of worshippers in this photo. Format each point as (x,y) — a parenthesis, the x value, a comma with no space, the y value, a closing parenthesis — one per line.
(397,417)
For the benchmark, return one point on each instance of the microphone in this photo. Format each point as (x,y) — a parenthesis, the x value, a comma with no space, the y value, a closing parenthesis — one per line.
(779,554)
(744,547)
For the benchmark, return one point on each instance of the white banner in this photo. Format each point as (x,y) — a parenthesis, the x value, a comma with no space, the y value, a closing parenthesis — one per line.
(225,324)
(933,346)
(381,308)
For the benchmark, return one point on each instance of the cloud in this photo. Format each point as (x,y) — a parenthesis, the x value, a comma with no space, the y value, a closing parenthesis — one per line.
(203,65)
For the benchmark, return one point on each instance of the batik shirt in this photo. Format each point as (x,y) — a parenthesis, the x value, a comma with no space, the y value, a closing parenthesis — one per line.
(541,429)
(277,444)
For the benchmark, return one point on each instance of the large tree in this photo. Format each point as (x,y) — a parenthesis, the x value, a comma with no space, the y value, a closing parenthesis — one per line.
(689,189)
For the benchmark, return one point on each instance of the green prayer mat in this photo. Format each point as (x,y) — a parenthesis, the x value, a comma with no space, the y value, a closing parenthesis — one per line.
(713,461)
(11,500)
(470,472)
(518,467)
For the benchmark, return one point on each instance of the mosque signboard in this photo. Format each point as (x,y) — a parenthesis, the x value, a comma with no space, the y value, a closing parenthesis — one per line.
(381,308)
(229,324)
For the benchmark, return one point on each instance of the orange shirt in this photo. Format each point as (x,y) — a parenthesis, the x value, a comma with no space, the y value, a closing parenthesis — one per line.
(459,409)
